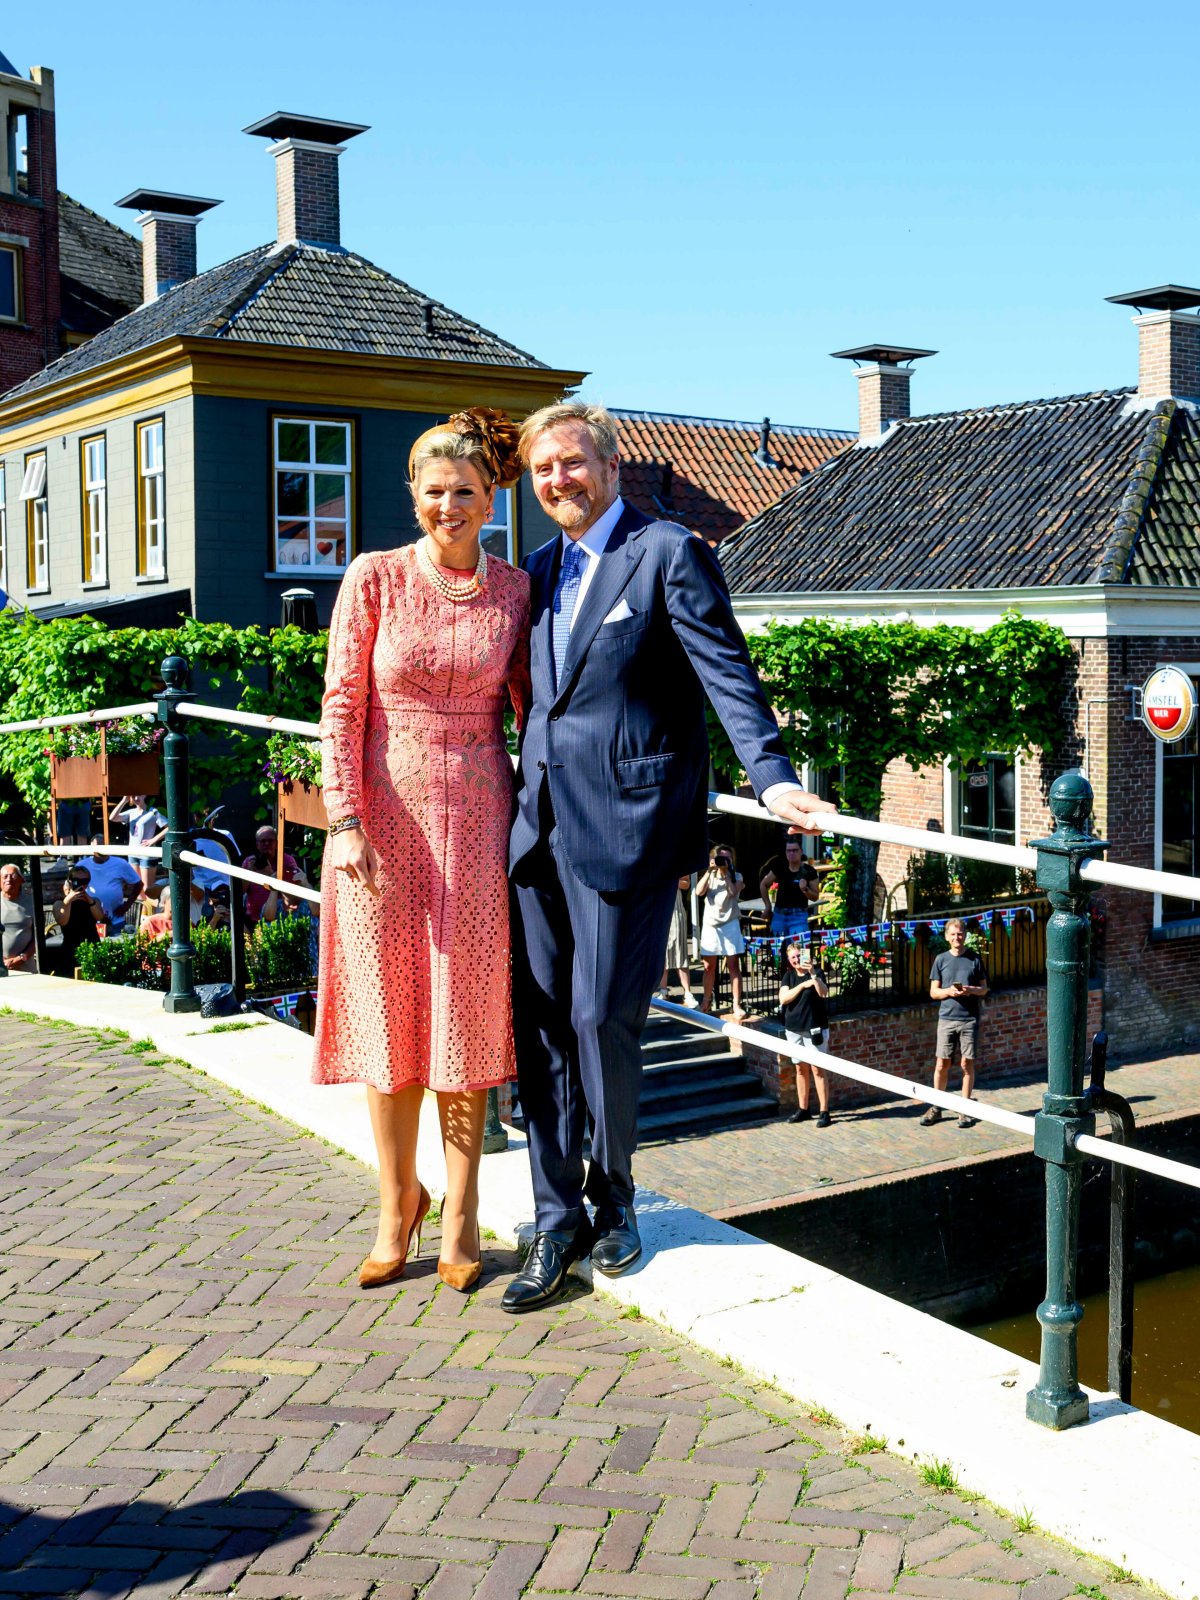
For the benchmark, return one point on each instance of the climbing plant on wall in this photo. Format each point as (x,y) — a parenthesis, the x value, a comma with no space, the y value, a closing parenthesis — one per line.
(853,697)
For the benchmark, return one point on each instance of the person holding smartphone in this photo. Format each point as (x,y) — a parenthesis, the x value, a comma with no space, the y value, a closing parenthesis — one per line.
(958,980)
(802,996)
(719,891)
(77,914)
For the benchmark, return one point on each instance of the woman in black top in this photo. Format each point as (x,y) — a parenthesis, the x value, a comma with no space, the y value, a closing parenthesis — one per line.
(796,888)
(802,995)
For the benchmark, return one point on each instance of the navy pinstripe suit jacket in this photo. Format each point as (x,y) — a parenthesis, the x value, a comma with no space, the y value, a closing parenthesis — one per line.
(621,741)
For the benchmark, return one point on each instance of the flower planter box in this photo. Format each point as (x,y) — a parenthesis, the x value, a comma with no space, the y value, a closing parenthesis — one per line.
(301,803)
(98,777)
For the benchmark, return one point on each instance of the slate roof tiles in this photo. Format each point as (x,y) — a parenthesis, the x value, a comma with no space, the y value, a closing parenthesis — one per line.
(1095,488)
(296,294)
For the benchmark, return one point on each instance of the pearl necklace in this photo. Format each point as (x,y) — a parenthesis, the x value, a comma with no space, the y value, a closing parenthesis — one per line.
(449,588)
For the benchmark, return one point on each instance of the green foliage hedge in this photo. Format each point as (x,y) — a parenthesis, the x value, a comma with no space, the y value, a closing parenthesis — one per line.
(78,664)
(277,957)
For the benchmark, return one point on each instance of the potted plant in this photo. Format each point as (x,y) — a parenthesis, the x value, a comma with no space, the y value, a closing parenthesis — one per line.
(95,761)
(293,765)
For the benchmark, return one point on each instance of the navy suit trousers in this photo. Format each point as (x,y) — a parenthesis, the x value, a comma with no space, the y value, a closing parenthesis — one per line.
(585,966)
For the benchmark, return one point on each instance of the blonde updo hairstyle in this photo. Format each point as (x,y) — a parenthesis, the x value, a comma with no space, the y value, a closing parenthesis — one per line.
(485,437)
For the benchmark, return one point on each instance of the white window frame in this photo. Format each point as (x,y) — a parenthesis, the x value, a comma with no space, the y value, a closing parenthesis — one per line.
(95,508)
(4,527)
(152,508)
(315,566)
(952,794)
(507,527)
(37,524)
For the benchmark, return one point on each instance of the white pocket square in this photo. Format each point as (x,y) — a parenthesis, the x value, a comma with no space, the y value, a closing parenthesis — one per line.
(619,612)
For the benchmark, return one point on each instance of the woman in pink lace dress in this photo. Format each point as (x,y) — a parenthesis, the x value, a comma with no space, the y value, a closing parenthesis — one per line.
(427,648)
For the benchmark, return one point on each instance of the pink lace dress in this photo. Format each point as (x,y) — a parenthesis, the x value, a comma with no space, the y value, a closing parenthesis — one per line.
(415,982)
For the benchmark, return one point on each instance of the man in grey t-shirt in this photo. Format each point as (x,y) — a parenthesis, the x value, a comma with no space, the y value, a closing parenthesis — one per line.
(959,981)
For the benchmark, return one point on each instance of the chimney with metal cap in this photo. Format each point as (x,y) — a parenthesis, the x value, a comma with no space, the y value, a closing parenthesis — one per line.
(1168,340)
(168,222)
(306,151)
(883,384)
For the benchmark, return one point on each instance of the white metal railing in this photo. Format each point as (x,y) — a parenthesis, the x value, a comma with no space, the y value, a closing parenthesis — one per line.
(144,708)
(246,719)
(1176,884)
(13,848)
(1012,1121)
(247,875)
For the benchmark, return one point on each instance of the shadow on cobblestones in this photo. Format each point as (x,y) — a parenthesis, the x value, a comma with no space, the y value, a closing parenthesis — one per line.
(196,1398)
(116,1545)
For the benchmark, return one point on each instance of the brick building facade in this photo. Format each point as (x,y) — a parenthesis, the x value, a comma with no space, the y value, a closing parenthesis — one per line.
(1080,512)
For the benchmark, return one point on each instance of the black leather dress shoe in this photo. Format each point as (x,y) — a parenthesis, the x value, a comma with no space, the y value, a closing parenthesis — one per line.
(617,1241)
(544,1275)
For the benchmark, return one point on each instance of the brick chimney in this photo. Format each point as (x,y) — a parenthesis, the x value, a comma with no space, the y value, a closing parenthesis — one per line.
(1168,340)
(883,384)
(168,222)
(306,151)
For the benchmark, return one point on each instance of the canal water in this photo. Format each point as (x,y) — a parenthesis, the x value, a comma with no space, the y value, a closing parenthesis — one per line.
(1166,1344)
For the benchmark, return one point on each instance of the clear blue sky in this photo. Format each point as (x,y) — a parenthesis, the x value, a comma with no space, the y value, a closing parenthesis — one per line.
(695,202)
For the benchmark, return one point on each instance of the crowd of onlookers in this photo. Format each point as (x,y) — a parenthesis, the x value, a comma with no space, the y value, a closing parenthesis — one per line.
(109,896)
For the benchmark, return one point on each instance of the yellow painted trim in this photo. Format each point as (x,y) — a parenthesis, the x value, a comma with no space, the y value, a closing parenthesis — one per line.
(151,395)
(176,368)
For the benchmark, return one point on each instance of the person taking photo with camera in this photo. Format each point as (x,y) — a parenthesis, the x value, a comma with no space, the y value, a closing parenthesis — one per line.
(719,890)
(802,996)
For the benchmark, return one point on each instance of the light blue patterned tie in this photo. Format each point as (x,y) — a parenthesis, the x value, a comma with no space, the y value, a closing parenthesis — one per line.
(565,596)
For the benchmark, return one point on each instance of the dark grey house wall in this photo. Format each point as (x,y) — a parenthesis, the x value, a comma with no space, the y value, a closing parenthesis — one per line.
(233,466)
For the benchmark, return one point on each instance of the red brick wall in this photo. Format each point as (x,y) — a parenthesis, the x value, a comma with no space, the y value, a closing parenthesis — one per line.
(911,800)
(902,1042)
(26,350)
(1153,989)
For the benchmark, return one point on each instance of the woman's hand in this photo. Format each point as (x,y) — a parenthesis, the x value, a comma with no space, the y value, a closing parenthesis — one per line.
(353,854)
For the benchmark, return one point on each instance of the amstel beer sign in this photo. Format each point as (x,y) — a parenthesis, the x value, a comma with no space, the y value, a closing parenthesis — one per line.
(1168,704)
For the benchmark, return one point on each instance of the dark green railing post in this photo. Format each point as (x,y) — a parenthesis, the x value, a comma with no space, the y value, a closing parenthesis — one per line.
(495,1137)
(182,994)
(1057,1401)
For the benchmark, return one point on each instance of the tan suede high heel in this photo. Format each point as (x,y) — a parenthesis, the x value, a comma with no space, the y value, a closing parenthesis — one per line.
(460,1278)
(373,1273)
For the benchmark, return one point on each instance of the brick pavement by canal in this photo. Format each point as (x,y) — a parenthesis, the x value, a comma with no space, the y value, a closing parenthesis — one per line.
(195,1397)
(740,1170)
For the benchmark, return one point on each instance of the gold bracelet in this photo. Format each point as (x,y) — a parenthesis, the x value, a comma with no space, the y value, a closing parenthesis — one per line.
(346,822)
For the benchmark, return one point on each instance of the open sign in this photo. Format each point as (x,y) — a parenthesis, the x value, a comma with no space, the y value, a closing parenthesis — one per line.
(1168,704)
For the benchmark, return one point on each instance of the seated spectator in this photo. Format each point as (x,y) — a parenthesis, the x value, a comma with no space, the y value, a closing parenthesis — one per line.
(266,842)
(77,914)
(16,919)
(158,924)
(115,883)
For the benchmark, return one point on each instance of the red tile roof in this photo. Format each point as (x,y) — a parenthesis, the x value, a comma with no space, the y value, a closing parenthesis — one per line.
(715,484)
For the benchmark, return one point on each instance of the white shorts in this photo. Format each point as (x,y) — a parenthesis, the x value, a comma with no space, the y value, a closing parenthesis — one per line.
(813,1036)
(722,939)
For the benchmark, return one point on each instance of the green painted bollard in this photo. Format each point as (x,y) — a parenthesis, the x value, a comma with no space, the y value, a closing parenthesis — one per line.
(181,952)
(1057,1401)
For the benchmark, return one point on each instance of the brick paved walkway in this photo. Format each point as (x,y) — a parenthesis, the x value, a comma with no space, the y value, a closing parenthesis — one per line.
(194,1396)
(745,1167)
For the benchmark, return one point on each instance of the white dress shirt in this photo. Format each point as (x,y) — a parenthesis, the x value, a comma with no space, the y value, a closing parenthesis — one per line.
(593,543)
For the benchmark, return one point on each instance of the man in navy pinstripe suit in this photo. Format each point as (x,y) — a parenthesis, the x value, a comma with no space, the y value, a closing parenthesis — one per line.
(631,627)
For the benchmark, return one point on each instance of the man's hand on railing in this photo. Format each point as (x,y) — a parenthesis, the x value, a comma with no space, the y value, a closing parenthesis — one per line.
(804,811)
(353,853)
